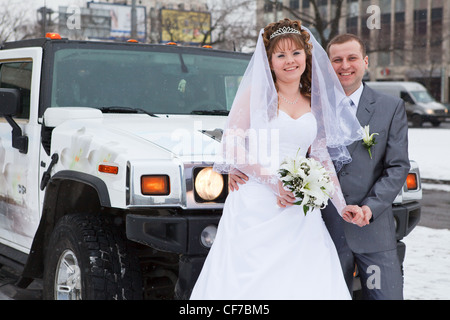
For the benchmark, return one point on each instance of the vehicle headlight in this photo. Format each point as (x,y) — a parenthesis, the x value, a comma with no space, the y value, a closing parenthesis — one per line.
(430,111)
(208,184)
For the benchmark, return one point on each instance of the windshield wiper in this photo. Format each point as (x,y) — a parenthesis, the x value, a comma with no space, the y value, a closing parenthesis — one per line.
(211,112)
(184,68)
(119,109)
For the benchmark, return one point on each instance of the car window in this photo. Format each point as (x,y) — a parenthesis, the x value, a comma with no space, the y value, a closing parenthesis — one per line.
(159,82)
(422,96)
(17,75)
(406,97)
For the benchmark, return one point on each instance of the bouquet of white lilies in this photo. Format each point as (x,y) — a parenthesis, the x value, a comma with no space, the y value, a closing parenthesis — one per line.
(308,180)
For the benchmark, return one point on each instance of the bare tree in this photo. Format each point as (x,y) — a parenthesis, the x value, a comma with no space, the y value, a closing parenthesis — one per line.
(326,27)
(15,22)
(234,25)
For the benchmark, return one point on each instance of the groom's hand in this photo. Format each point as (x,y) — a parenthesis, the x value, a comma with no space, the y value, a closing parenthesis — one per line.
(355,215)
(367,214)
(235,178)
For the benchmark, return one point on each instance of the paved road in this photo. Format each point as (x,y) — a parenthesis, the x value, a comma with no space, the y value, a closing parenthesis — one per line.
(435,209)
(427,125)
(445,125)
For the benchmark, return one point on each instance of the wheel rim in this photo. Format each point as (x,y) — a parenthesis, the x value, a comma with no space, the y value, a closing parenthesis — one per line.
(68,277)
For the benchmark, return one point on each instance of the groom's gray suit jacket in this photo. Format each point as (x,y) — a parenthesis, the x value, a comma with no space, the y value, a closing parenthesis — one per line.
(376,182)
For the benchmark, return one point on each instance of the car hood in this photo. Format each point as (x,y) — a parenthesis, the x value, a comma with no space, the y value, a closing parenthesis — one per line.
(182,135)
(433,105)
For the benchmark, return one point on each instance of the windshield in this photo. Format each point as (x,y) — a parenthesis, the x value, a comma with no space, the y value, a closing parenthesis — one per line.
(159,82)
(422,96)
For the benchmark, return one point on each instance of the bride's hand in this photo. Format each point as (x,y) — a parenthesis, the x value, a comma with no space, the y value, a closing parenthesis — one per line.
(285,198)
(235,178)
(355,215)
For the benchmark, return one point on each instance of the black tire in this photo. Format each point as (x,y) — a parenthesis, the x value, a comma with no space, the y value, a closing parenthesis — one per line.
(107,268)
(436,123)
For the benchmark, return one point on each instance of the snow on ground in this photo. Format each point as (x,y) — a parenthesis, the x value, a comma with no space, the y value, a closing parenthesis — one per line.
(430,148)
(427,264)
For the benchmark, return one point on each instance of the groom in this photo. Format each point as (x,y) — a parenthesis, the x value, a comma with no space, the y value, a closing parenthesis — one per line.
(370,185)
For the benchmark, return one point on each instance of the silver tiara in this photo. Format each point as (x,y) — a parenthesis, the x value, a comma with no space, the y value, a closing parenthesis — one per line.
(284,30)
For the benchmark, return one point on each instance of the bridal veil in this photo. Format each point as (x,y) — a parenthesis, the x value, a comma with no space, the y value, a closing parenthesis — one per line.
(251,146)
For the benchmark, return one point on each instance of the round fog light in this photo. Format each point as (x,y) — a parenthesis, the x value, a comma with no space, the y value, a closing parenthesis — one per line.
(208,235)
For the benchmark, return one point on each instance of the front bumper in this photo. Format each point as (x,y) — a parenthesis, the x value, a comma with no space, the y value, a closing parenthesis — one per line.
(406,216)
(181,233)
(178,234)
(435,118)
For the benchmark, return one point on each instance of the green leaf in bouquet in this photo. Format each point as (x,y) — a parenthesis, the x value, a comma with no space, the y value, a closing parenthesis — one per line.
(305,210)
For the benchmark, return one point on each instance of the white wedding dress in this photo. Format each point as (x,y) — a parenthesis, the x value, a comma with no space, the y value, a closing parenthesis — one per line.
(265,252)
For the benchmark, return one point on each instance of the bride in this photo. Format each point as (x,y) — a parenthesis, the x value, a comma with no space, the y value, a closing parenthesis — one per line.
(289,100)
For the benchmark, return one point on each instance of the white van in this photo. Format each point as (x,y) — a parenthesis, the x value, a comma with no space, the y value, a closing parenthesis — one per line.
(420,105)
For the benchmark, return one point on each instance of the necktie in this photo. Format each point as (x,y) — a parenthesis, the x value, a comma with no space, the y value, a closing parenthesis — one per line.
(349,105)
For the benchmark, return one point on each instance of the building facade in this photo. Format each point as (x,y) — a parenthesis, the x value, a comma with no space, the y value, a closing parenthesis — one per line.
(407,40)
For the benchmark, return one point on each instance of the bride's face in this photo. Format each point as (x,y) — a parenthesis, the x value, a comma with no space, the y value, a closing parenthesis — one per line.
(288,62)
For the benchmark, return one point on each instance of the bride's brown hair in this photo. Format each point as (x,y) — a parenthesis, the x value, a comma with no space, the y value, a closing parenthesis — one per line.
(301,40)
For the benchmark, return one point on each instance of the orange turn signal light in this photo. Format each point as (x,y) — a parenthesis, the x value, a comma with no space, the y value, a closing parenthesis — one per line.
(411,181)
(171,43)
(108,169)
(53,36)
(157,185)
(132,41)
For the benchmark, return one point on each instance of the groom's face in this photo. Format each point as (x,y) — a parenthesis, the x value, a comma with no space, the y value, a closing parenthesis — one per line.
(349,64)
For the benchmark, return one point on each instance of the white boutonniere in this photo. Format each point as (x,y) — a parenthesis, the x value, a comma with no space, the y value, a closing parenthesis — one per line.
(369,140)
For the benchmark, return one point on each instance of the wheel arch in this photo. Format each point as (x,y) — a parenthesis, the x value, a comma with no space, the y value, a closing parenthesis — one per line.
(81,192)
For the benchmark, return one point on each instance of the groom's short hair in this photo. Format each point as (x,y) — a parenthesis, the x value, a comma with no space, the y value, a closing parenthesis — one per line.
(346,37)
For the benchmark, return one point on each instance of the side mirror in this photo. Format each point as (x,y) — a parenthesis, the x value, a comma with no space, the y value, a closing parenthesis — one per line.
(10,105)
(9,102)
